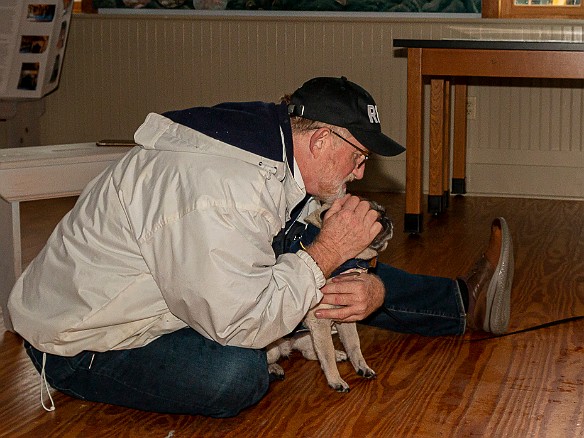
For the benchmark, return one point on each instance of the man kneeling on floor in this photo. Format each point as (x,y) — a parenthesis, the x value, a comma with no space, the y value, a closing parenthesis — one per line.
(163,285)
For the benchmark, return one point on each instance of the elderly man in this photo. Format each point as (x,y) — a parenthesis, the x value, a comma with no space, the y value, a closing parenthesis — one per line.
(159,290)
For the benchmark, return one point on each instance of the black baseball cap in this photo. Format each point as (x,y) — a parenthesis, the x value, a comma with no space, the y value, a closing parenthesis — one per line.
(340,102)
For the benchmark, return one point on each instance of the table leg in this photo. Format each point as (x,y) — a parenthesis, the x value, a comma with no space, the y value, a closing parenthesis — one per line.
(459,140)
(446,145)
(437,147)
(414,152)
(11,260)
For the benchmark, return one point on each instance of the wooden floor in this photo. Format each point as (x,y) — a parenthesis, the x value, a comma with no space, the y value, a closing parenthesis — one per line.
(525,385)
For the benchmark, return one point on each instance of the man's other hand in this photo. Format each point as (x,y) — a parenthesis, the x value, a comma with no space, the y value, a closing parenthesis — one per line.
(358,294)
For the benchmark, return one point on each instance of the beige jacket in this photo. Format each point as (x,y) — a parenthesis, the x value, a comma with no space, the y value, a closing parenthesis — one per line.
(177,233)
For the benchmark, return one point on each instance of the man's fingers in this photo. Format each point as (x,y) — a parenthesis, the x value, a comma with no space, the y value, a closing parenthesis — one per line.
(352,203)
(337,205)
(356,295)
(340,293)
(363,208)
(372,215)
(375,229)
(342,314)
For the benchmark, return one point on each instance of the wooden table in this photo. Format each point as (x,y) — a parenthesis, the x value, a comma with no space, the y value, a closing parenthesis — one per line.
(40,172)
(447,64)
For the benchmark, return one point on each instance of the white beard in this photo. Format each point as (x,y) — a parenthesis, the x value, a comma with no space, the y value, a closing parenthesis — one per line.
(341,191)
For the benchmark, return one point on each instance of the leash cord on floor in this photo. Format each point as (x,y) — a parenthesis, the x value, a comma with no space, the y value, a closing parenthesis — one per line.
(409,328)
(530,329)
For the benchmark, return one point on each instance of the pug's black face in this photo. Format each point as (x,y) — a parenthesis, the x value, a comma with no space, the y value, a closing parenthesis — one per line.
(386,233)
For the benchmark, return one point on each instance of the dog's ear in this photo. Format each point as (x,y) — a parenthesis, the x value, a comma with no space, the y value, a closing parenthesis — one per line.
(381,240)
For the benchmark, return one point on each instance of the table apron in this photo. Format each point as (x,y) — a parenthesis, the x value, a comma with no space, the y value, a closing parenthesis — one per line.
(502,63)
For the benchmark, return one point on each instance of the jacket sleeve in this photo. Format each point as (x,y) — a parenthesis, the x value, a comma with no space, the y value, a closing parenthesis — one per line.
(216,270)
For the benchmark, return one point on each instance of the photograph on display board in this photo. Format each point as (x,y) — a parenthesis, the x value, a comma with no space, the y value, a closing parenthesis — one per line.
(41,13)
(29,74)
(33,43)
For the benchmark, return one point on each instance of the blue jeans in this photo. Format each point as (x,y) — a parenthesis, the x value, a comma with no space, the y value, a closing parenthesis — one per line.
(419,304)
(185,373)
(179,373)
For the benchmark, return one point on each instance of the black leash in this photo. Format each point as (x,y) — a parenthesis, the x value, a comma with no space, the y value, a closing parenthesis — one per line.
(409,328)
(530,329)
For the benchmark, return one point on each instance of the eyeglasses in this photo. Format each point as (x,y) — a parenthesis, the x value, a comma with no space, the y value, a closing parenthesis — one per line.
(364,154)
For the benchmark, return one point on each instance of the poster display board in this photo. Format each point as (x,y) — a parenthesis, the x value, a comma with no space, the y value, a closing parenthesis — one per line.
(33,35)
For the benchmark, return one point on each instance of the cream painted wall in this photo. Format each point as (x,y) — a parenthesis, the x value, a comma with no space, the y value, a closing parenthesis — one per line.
(527,139)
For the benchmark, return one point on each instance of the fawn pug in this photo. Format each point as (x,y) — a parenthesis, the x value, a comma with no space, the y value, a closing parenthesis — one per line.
(317,343)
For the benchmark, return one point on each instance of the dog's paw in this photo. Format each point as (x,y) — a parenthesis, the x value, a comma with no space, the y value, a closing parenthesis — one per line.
(276,371)
(340,356)
(367,372)
(340,386)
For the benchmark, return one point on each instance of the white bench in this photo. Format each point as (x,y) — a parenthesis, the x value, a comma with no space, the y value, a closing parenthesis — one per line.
(40,172)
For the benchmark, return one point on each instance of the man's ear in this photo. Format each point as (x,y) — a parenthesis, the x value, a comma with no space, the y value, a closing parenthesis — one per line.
(318,141)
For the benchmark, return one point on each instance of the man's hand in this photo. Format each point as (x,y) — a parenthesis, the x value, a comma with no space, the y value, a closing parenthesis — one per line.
(349,226)
(358,294)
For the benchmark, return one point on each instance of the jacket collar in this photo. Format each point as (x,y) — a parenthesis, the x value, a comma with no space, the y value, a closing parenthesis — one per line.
(261,134)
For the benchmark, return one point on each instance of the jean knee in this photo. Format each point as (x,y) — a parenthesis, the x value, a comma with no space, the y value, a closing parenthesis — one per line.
(242,383)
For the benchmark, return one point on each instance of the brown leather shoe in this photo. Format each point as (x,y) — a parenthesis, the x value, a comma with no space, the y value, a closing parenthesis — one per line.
(489,286)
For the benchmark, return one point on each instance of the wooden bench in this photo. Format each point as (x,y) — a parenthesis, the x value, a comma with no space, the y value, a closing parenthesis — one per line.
(40,172)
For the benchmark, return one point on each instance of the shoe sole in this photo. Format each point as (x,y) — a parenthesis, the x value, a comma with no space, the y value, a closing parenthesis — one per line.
(499,290)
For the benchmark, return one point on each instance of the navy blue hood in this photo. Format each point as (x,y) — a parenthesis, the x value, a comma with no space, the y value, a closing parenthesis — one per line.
(251,126)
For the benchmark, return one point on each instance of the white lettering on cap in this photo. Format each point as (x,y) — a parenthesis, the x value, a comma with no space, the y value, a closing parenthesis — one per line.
(373,114)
